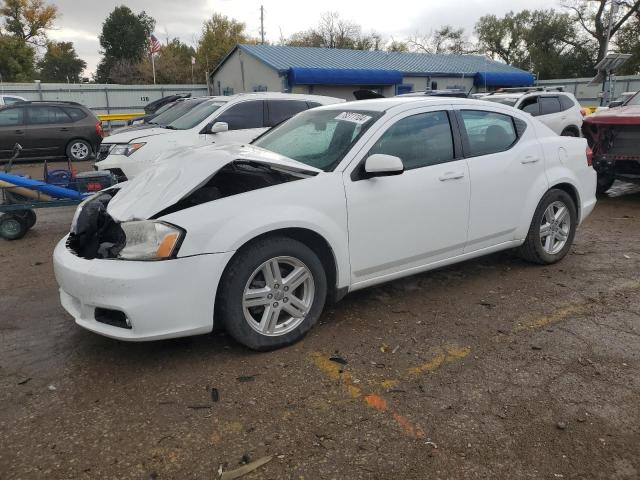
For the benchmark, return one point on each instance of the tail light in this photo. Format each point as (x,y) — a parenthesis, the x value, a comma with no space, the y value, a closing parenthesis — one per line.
(584,112)
(99,129)
(589,156)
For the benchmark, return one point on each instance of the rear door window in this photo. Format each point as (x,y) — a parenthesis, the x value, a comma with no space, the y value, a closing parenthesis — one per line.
(488,132)
(530,105)
(565,102)
(244,115)
(75,113)
(281,110)
(42,115)
(10,117)
(549,105)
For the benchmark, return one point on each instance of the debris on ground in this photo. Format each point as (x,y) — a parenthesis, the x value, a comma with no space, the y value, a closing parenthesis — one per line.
(52,388)
(198,407)
(215,395)
(239,472)
(338,359)
(487,305)
(246,378)
(561,426)
(24,380)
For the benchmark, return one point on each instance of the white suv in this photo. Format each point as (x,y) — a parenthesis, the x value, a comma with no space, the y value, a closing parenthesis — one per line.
(220,120)
(560,111)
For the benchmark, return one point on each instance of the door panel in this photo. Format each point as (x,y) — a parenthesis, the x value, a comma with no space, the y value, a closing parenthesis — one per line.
(406,221)
(48,131)
(12,130)
(504,176)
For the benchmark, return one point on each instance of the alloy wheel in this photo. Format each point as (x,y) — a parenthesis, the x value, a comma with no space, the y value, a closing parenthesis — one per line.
(79,151)
(555,227)
(278,296)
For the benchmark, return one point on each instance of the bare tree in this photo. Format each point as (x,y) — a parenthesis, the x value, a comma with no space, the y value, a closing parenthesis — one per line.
(446,39)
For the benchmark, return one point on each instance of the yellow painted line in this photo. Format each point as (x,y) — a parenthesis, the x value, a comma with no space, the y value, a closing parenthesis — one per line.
(448,353)
(106,117)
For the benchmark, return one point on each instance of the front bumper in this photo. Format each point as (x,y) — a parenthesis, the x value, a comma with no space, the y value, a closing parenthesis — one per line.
(163,299)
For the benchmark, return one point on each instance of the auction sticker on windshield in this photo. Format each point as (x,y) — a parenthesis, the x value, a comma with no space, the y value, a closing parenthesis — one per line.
(354,117)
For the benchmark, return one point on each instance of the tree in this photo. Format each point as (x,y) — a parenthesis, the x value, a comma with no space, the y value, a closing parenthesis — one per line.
(628,41)
(61,63)
(594,18)
(28,20)
(16,60)
(219,35)
(335,32)
(173,63)
(124,40)
(543,41)
(397,46)
(446,39)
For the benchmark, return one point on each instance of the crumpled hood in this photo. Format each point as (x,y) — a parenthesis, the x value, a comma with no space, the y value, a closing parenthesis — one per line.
(137,135)
(616,116)
(167,183)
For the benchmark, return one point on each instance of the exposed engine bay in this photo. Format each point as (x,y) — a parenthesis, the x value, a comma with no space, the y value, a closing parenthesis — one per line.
(616,150)
(95,234)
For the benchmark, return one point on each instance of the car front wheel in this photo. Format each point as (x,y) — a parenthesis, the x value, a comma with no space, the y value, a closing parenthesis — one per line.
(78,150)
(552,229)
(272,293)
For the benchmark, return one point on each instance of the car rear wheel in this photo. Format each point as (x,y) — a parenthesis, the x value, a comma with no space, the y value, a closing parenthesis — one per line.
(604,183)
(570,132)
(272,293)
(552,229)
(78,150)
(12,227)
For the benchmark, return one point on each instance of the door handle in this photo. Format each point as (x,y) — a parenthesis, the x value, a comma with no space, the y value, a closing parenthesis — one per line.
(19,132)
(64,129)
(451,176)
(530,159)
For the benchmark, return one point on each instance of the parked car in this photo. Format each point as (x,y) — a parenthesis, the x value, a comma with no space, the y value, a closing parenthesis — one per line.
(48,130)
(256,238)
(618,102)
(165,115)
(154,106)
(614,136)
(220,120)
(437,93)
(558,110)
(10,99)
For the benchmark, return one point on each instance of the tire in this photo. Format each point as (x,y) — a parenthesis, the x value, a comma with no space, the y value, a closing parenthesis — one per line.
(554,250)
(569,132)
(28,217)
(249,270)
(12,227)
(79,150)
(604,183)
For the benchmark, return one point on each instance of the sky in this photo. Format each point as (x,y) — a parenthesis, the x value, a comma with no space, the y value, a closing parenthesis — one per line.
(81,21)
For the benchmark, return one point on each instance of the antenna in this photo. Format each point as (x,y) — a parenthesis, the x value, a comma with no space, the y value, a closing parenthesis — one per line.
(262,24)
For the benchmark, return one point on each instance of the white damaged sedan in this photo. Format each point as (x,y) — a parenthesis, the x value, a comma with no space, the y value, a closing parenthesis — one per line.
(257,238)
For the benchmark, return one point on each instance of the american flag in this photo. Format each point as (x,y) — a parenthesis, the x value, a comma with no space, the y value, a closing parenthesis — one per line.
(154,44)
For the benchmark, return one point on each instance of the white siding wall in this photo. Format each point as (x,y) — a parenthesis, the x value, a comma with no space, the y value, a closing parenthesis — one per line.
(256,74)
(424,83)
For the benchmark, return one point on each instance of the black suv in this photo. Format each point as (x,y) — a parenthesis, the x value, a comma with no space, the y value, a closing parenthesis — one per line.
(49,130)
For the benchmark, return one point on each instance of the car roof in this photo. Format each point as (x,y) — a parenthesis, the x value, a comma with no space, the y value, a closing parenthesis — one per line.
(52,103)
(281,96)
(386,104)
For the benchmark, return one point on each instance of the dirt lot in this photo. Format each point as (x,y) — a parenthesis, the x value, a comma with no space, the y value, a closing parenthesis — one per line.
(490,369)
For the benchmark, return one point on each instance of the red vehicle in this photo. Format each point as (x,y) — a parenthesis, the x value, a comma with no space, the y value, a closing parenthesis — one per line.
(614,137)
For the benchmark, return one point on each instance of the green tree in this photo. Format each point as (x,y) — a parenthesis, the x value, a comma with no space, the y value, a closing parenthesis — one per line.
(28,20)
(219,35)
(173,64)
(124,40)
(397,46)
(61,63)
(543,41)
(16,60)
(628,41)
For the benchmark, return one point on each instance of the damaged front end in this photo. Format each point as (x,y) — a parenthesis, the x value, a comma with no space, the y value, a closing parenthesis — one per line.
(616,151)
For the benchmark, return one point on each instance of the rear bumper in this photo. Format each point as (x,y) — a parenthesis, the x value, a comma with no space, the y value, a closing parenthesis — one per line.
(163,299)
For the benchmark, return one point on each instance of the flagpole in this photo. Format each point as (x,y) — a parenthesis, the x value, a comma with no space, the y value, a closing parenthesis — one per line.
(153,66)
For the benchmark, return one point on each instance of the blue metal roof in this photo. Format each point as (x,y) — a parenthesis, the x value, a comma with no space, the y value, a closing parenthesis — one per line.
(343,76)
(282,58)
(504,79)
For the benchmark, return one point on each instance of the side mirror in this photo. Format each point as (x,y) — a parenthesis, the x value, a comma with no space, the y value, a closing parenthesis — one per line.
(381,165)
(615,103)
(219,127)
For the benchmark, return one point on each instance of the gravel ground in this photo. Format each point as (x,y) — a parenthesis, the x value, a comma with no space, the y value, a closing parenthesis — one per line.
(489,369)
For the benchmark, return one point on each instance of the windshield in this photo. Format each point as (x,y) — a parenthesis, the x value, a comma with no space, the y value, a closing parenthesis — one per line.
(194,116)
(511,101)
(635,100)
(319,138)
(175,111)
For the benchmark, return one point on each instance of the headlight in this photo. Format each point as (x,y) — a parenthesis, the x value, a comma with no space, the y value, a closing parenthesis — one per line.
(126,150)
(150,240)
